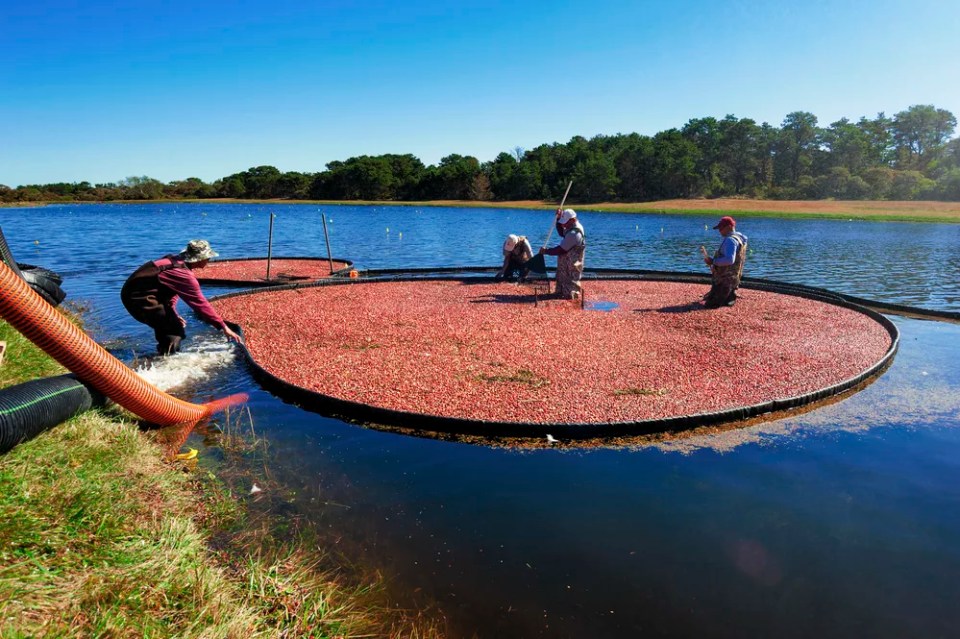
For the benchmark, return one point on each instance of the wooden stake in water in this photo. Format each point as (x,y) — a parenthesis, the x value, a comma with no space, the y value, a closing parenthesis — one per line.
(327,238)
(270,245)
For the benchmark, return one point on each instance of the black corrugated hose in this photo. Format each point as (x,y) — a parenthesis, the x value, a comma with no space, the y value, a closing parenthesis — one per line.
(7,256)
(28,409)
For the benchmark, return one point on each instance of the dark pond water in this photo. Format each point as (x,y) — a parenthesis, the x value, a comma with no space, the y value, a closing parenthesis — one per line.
(841,522)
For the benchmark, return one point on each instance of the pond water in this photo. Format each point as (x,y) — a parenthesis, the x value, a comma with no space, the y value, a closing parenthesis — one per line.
(838,522)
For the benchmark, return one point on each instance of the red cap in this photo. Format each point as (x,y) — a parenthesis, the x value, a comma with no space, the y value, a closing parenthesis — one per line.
(726,220)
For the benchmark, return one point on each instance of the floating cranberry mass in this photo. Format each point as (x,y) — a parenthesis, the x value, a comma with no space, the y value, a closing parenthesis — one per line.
(254,270)
(477,350)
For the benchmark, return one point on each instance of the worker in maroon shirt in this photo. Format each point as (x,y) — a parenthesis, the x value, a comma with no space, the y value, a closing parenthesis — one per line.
(151,293)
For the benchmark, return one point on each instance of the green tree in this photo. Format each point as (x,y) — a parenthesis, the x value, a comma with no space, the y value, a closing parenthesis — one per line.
(879,138)
(260,181)
(799,137)
(596,178)
(407,170)
(633,162)
(231,187)
(848,146)
(673,168)
(454,176)
(141,188)
(879,180)
(948,185)
(369,178)
(920,133)
(768,138)
(705,134)
(502,174)
(292,185)
(190,188)
(910,185)
(951,154)
(740,155)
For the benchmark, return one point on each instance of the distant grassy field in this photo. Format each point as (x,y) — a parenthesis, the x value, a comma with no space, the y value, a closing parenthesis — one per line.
(856,209)
(874,210)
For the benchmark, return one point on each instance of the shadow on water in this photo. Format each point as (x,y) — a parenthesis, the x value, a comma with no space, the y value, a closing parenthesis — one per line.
(837,522)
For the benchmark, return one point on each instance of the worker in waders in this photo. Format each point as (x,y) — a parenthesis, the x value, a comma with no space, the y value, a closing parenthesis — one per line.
(726,265)
(570,252)
(151,293)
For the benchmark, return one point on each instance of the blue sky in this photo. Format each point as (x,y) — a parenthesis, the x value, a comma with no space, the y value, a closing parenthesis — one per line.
(99,92)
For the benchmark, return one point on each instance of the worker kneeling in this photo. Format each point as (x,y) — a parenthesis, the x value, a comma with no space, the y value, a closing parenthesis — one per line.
(516,253)
(726,265)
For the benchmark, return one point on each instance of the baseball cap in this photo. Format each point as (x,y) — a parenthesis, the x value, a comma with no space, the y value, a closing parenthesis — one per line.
(726,220)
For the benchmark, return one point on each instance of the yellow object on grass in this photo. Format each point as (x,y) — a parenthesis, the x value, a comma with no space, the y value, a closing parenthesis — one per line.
(190,454)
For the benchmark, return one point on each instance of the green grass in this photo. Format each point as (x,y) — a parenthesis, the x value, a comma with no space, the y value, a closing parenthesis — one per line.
(102,536)
(23,360)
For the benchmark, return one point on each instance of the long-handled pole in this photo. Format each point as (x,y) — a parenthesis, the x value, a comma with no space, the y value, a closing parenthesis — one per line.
(562,202)
(706,256)
(270,245)
(327,238)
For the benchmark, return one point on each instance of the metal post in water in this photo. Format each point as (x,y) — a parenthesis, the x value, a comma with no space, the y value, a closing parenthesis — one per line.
(270,245)
(327,237)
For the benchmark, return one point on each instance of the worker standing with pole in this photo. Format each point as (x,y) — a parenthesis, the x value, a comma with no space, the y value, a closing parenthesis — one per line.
(537,264)
(570,252)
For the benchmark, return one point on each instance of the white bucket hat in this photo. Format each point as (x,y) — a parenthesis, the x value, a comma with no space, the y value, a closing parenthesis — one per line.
(567,215)
(511,242)
(197,251)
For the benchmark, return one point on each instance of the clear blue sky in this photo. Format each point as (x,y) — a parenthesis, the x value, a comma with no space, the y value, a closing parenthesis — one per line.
(102,91)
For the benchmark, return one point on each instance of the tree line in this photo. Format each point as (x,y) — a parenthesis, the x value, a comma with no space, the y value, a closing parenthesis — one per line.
(910,156)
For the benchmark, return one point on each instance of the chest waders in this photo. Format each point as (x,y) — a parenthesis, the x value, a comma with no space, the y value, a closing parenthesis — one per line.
(570,268)
(149,302)
(726,278)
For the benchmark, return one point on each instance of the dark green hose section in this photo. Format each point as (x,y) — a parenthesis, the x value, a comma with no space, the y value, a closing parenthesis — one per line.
(28,409)
(7,256)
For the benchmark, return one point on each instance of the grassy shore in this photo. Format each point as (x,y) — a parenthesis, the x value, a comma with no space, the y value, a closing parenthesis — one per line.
(104,534)
(867,210)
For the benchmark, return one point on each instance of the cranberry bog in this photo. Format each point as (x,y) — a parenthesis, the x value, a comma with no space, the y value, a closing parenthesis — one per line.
(474,357)
(253,271)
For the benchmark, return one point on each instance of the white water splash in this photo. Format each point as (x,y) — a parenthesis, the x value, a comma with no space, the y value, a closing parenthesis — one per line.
(195,362)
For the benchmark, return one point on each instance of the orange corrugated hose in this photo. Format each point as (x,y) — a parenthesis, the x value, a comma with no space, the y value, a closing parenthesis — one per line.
(46,327)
